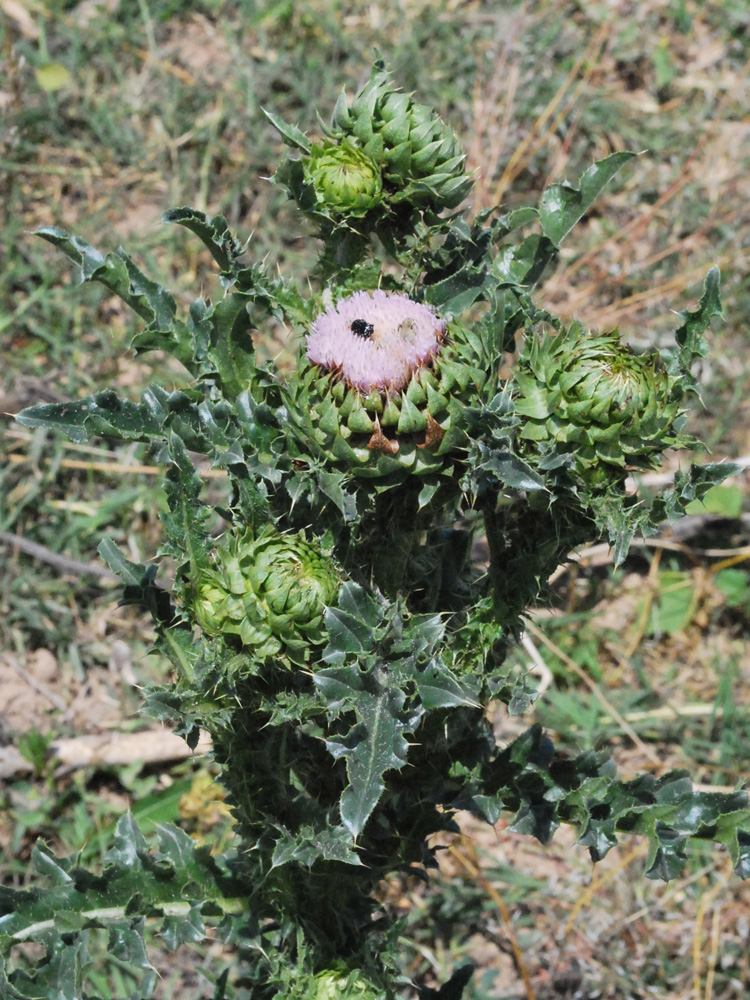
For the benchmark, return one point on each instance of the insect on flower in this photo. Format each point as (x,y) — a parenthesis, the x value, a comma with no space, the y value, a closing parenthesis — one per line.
(361,328)
(407,330)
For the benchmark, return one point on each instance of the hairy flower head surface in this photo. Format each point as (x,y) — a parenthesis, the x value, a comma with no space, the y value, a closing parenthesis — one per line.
(375,340)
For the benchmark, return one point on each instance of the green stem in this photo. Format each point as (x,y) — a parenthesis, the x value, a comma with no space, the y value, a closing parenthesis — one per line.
(392,537)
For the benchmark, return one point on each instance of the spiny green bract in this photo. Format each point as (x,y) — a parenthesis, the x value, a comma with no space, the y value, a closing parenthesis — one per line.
(590,397)
(271,591)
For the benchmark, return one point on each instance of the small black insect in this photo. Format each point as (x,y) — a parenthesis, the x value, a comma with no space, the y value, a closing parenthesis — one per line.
(361,328)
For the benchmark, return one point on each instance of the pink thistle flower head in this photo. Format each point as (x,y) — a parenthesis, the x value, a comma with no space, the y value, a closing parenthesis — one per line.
(375,340)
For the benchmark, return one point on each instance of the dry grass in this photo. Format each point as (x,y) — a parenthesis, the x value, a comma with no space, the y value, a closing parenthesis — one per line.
(632,261)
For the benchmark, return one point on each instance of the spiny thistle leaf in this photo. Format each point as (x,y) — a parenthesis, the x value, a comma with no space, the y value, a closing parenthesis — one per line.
(437,686)
(645,515)
(139,586)
(332,485)
(524,265)
(121,275)
(107,414)
(692,484)
(291,135)
(562,205)
(374,745)
(173,883)
(185,524)
(212,231)
(545,790)
(104,413)
(232,352)
(350,624)
(308,845)
(691,344)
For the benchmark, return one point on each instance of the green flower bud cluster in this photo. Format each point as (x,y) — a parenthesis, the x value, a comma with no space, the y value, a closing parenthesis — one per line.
(420,156)
(591,398)
(270,590)
(345,180)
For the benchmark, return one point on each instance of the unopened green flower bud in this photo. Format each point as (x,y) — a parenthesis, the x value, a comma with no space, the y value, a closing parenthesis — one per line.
(346,181)
(592,399)
(269,590)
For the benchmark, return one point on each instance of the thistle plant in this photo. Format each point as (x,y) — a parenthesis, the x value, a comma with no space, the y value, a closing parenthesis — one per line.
(327,626)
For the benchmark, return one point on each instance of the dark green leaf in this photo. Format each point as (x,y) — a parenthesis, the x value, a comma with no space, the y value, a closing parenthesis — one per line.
(306,846)
(438,687)
(274,295)
(127,943)
(347,634)
(561,205)
(213,232)
(188,929)
(504,224)
(104,413)
(350,624)
(8,989)
(158,881)
(332,485)
(376,744)
(691,343)
(456,293)
(668,856)
(688,487)
(132,574)
(140,587)
(122,276)
(46,864)
(506,468)
(186,522)
(524,264)
(546,790)
(232,351)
